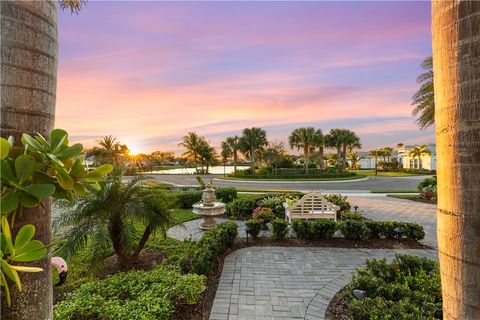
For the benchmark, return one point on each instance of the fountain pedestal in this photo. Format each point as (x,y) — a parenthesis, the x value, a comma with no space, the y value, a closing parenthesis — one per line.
(208,208)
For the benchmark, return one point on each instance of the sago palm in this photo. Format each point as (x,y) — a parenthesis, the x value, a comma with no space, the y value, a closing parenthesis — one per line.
(252,141)
(118,218)
(303,138)
(423,99)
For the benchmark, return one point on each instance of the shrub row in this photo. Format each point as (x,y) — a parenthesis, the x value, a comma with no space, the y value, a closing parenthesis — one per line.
(407,288)
(358,229)
(199,257)
(279,229)
(186,199)
(145,295)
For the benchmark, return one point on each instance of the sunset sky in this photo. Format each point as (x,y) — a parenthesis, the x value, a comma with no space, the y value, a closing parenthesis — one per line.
(149,72)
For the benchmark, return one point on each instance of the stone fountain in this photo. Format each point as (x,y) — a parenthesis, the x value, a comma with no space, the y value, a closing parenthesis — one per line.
(208,208)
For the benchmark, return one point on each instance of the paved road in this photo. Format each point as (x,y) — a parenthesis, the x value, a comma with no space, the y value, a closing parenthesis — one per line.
(393,183)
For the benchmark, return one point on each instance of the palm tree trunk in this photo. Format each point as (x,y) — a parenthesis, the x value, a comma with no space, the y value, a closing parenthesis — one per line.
(456,60)
(142,242)
(28,88)
(252,159)
(235,158)
(305,153)
(320,155)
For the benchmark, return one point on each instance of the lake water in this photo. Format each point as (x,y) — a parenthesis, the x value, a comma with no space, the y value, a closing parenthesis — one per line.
(212,170)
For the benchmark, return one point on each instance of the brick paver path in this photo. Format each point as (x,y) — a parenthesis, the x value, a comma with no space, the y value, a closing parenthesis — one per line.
(270,283)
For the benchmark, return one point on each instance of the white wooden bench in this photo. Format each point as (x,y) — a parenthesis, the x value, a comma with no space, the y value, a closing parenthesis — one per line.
(312,206)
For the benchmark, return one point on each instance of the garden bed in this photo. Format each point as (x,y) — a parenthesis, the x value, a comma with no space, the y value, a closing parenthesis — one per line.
(411,197)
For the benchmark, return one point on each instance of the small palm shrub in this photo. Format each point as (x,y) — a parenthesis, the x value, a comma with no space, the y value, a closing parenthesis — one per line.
(241,208)
(145,295)
(226,194)
(407,288)
(119,218)
(254,227)
(274,203)
(279,229)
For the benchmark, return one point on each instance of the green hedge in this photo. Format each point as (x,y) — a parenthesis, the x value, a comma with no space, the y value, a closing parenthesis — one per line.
(254,227)
(186,199)
(358,229)
(226,194)
(241,208)
(199,257)
(145,295)
(279,229)
(407,288)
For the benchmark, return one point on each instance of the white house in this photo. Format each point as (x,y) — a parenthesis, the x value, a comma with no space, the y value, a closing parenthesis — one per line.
(426,161)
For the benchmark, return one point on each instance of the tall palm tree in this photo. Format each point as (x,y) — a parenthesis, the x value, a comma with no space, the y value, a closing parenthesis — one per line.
(192,142)
(456,39)
(342,140)
(233,143)
(423,99)
(207,155)
(303,138)
(387,151)
(110,150)
(252,141)
(28,91)
(320,144)
(418,152)
(111,217)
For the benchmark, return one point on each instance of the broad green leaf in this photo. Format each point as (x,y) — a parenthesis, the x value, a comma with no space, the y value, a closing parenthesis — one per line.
(55,159)
(7,235)
(33,251)
(11,274)
(40,177)
(9,202)
(3,283)
(6,172)
(95,186)
(24,167)
(79,189)
(4,148)
(57,138)
(41,191)
(28,201)
(63,178)
(44,142)
(71,151)
(31,142)
(26,269)
(98,173)
(78,169)
(67,163)
(59,193)
(25,234)
(3,244)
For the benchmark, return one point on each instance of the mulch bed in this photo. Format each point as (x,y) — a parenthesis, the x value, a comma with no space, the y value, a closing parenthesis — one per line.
(337,308)
(201,310)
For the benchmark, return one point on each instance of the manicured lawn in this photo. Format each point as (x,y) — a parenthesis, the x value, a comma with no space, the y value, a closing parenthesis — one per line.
(392,191)
(387,174)
(183,215)
(294,178)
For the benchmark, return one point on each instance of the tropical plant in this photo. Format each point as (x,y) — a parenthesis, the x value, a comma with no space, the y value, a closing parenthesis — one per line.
(424,99)
(207,155)
(30,175)
(354,158)
(111,219)
(192,142)
(342,140)
(418,152)
(252,141)
(305,139)
(232,146)
(320,144)
(274,155)
(110,150)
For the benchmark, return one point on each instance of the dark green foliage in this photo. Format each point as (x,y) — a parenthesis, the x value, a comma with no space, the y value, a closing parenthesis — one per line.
(275,203)
(318,229)
(389,230)
(279,229)
(338,200)
(348,215)
(354,229)
(226,194)
(199,257)
(186,199)
(147,295)
(407,288)
(241,208)
(254,227)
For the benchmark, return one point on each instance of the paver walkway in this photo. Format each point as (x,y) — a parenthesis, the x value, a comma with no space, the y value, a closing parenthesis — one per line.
(270,283)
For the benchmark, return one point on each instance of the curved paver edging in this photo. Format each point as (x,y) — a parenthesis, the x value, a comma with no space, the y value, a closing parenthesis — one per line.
(270,283)
(279,181)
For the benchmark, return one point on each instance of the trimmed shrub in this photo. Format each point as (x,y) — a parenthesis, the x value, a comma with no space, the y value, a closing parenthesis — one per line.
(318,229)
(338,200)
(354,229)
(199,257)
(241,208)
(226,194)
(301,228)
(254,227)
(279,229)
(148,295)
(348,215)
(407,288)
(186,199)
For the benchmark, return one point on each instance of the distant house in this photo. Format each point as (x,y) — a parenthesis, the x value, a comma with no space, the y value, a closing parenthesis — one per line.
(427,161)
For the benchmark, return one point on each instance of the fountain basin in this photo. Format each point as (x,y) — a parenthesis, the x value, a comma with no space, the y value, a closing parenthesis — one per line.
(209,212)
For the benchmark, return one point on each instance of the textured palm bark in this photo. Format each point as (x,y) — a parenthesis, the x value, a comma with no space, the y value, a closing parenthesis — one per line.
(456,59)
(28,86)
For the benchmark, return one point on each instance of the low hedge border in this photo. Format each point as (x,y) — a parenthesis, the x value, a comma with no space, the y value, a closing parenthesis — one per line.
(358,229)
